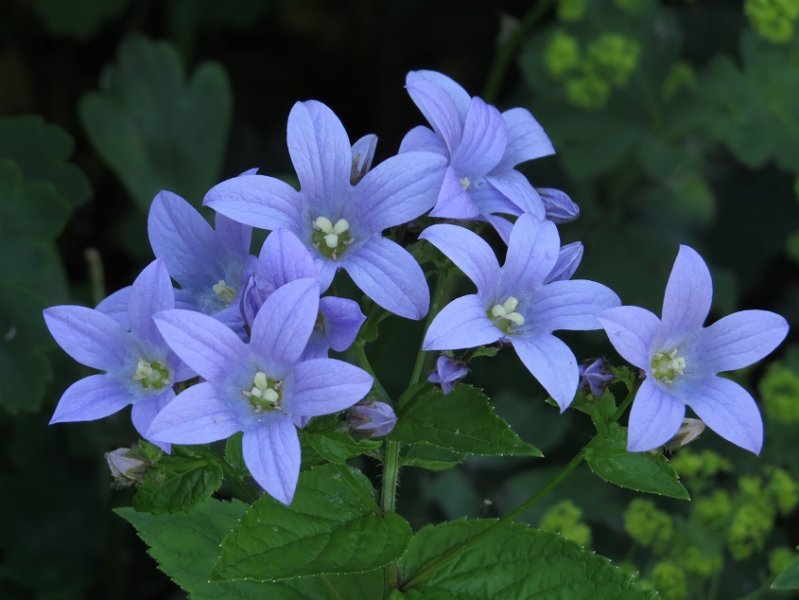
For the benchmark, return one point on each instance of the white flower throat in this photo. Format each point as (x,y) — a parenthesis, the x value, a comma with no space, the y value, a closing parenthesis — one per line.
(666,366)
(331,238)
(505,316)
(151,375)
(265,394)
(224,292)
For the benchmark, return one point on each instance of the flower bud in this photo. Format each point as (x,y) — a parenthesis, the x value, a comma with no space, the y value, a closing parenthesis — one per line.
(375,419)
(363,152)
(127,467)
(558,206)
(448,372)
(568,260)
(687,433)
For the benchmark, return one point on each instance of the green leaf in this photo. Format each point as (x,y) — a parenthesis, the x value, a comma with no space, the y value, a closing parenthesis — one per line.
(154,128)
(332,526)
(462,421)
(41,151)
(177,484)
(788,579)
(77,18)
(336,447)
(512,561)
(648,472)
(432,458)
(187,545)
(234,456)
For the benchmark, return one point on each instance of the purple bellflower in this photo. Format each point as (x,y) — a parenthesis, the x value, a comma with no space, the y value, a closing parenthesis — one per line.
(140,369)
(338,221)
(259,388)
(284,258)
(373,419)
(482,146)
(682,359)
(448,372)
(515,303)
(209,264)
(594,377)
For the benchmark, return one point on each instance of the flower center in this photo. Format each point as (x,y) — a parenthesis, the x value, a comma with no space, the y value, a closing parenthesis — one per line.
(465,183)
(151,375)
(504,315)
(329,238)
(265,393)
(666,366)
(224,292)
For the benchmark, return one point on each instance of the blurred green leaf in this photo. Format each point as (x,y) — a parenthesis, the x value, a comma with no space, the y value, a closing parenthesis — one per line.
(77,18)
(788,579)
(432,458)
(176,484)
(155,128)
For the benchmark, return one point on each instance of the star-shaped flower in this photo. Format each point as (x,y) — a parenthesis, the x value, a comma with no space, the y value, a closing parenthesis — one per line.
(259,388)
(448,373)
(338,221)
(682,359)
(140,369)
(517,303)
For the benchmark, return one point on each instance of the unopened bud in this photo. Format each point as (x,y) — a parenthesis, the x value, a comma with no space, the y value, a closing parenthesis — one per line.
(363,153)
(375,419)
(558,206)
(127,467)
(568,260)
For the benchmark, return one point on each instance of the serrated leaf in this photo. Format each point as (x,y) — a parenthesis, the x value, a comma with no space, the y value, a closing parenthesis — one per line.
(336,447)
(462,421)
(512,561)
(186,547)
(234,455)
(432,458)
(608,458)
(788,579)
(333,526)
(41,151)
(176,484)
(156,129)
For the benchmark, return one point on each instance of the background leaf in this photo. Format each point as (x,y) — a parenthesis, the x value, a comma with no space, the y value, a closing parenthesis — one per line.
(176,484)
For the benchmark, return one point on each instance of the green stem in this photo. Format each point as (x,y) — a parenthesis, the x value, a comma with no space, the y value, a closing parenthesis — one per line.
(509,47)
(439,291)
(96,273)
(360,354)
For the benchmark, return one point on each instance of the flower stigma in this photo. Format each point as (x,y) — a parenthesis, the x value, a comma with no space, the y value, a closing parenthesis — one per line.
(505,316)
(265,393)
(465,183)
(224,292)
(151,375)
(667,365)
(329,238)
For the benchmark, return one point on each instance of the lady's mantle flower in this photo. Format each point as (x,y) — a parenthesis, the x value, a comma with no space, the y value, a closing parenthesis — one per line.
(258,388)
(516,304)
(448,372)
(139,367)
(482,146)
(338,221)
(681,359)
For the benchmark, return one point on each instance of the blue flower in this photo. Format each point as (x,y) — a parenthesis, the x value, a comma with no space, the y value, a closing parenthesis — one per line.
(260,388)
(341,223)
(516,303)
(448,372)
(681,359)
(594,377)
(374,419)
(140,369)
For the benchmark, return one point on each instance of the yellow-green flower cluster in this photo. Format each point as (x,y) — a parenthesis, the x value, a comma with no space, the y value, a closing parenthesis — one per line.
(779,390)
(570,11)
(615,56)
(669,579)
(681,75)
(750,526)
(632,6)
(784,490)
(696,562)
(713,508)
(562,53)
(699,465)
(565,518)
(775,20)
(647,525)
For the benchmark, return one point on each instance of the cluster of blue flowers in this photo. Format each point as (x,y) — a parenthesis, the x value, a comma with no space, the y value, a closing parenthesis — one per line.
(246,339)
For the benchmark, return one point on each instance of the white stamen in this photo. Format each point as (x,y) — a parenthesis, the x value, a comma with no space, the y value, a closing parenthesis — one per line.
(465,183)
(323,224)
(331,240)
(224,292)
(516,318)
(510,304)
(498,310)
(340,227)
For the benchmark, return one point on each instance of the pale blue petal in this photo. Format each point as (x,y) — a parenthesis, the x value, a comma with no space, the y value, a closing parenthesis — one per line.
(689,293)
(655,417)
(327,272)
(571,305)
(196,416)
(552,363)
(423,139)
(116,306)
(207,346)
(90,337)
(558,206)
(740,339)
(232,235)
(283,325)
(453,202)
(324,386)
(729,410)
(284,258)
(517,189)
(489,200)
(398,190)
(257,200)
(501,225)
(151,293)
(463,323)
(272,454)
(342,319)
(532,252)
(632,331)
(91,398)
(569,259)
(526,139)
(483,140)
(459,97)
(468,251)
(144,411)
(439,110)
(390,276)
(363,153)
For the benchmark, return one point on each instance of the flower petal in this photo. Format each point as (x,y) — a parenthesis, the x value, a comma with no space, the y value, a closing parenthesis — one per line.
(90,337)
(729,410)
(390,276)
(197,415)
(272,454)
(689,293)
(470,253)
(321,154)
(631,330)
(284,323)
(323,386)
(342,319)
(423,139)
(116,306)
(91,398)
(453,202)
(399,189)
(463,323)
(483,141)
(572,305)
(526,139)
(569,259)
(207,346)
(517,189)
(459,97)
(740,339)
(532,253)
(284,258)
(151,293)
(257,200)
(233,235)
(439,110)
(654,418)
(552,363)
(145,409)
